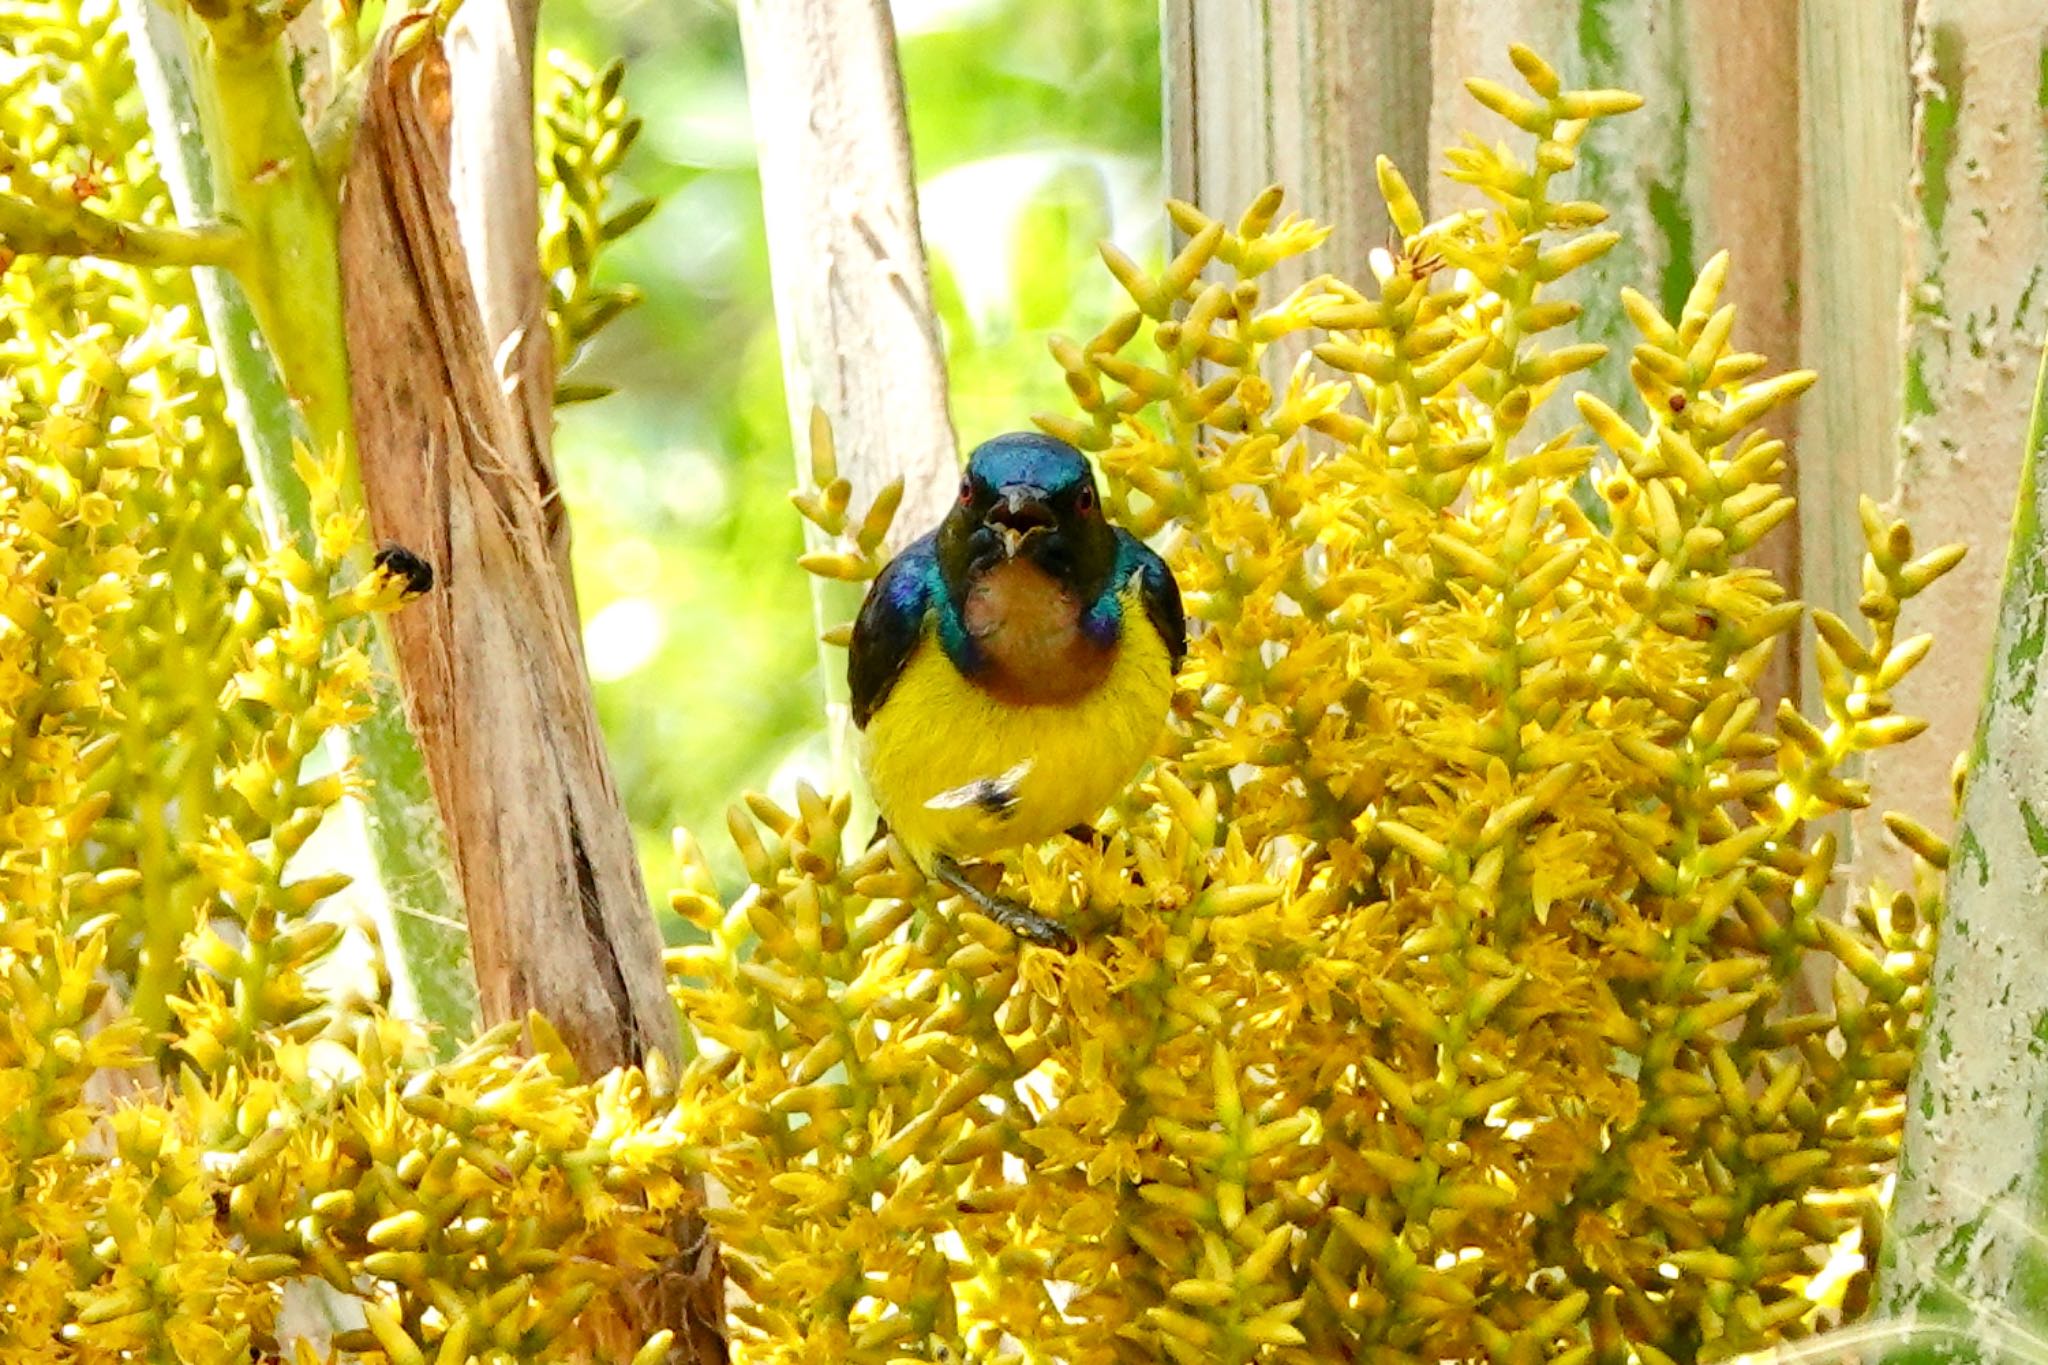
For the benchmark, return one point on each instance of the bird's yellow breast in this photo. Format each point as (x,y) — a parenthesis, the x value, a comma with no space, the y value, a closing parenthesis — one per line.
(940,742)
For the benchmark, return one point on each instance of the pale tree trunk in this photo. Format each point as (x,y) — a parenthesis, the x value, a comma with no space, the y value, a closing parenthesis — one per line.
(1964,1250)
(456,468)
(1856,158)
(860,342)
(1305,93)
(1976,307)
(1965,1243)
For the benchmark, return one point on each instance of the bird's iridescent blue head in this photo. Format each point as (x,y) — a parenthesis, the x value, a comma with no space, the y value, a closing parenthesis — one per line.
(1031,497)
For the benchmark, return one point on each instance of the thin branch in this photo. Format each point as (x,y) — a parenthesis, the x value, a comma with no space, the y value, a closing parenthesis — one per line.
(39,230)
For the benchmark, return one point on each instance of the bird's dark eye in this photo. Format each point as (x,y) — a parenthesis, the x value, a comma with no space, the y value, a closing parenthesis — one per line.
(966,491)
(1084,502)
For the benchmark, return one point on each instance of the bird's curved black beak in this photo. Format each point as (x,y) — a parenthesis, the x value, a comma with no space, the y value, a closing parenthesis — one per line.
(1019,511)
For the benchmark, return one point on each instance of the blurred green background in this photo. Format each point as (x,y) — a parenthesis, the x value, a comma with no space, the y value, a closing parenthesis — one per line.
(1035,126)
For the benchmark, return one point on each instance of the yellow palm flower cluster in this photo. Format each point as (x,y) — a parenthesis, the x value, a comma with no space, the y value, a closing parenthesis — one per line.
(181,1141)
(1441,994)
(583,134)
(192,1117)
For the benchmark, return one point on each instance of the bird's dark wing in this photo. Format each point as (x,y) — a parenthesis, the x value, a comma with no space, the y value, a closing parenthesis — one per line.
(1160,592)
(889,627)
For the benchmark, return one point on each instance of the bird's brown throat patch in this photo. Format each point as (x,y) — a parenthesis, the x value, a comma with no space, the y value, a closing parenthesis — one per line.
(1029,629)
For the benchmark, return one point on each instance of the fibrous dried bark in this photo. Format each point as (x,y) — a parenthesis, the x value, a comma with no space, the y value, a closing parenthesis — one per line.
(454,470)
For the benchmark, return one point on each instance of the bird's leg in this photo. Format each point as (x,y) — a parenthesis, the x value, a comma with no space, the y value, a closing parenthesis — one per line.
(1022,921)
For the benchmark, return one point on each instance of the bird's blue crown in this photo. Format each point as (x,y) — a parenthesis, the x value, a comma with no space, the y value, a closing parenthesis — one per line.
(1028,458)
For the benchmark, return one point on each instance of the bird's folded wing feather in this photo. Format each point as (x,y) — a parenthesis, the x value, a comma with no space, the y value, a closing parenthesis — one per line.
(1159,592)
(890,627)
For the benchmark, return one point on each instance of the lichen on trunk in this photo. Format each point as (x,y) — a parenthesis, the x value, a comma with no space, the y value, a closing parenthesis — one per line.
(454,470)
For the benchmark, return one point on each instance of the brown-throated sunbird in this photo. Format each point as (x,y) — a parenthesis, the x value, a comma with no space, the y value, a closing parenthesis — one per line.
(1011,670)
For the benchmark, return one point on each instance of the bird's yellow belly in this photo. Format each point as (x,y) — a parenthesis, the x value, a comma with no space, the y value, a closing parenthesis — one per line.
(1050,766)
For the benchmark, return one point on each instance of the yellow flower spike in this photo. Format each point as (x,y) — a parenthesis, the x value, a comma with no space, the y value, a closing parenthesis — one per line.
(1556,155)
(1180,1327)
(1592,104)
(1524,114)
(1712,341)
(1560,261)
(1257,217)
(1540,75)
(1704,295)
(1471,562)
(1783,1086)
(454,1348)
(1068,355)
(1141,287)
(1210,306)
(388,1328)
(1608,425)
(1185,268)
(1881,731)
(1923,842)
(1917,576)
(1412,1010)
(1379,366)
(1900,660)
(812,509)
(1547,576)
(1225,901)
(1186,1003)
(1544,368)
(884,919)
(1204,1293)
(1196,1146)
(1648,320)
(1276,1328)
(1480,1098)
(1757,399)
(1144,384)
(307,892)
(1551,314)
(400,1231)
(753,854)
(824,452)
(1402,210)
(555,1318)
(837,564)
(1682,458)
(1749,530)
(880,516)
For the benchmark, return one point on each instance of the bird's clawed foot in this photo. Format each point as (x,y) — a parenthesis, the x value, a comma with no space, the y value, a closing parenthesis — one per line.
(1020,920)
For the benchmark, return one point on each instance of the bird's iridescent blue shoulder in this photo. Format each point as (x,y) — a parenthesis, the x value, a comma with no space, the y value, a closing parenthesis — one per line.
(891,625)
(1157,589)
